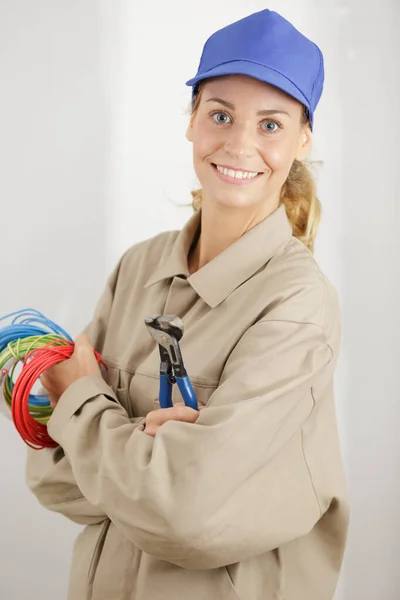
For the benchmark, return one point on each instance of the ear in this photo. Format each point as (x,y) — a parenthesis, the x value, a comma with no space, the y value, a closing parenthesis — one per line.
(189,131)
(305,145)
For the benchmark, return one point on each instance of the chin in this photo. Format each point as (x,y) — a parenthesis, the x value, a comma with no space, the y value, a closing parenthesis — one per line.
(233,200)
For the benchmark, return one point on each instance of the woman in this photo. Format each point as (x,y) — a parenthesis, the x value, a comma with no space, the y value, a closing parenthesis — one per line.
(245,497)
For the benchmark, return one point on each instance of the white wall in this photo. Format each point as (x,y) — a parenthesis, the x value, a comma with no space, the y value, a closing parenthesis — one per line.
(92,156)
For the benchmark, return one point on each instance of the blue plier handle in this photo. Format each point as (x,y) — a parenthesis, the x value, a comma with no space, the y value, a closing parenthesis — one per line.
(169,376)
(167,330)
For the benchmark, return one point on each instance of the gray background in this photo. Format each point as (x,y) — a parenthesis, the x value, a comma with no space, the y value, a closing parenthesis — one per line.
(93,158)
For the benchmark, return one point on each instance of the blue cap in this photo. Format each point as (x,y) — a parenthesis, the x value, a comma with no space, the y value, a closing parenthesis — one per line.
(267,47)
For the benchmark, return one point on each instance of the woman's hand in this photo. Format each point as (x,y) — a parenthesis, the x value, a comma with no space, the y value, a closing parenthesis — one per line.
(82,362)
(179,412)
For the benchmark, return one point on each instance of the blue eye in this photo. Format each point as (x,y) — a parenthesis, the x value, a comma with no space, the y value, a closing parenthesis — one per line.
(271,126)
(224,116)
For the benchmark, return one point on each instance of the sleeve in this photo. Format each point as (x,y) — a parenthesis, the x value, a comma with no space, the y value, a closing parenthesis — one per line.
(48,473)
(230,486)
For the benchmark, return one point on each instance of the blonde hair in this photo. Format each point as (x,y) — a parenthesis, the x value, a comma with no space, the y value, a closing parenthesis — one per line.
(298,193)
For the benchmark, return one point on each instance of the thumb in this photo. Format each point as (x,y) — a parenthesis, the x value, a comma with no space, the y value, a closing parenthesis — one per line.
(82,340)
(83,347)
(85,355)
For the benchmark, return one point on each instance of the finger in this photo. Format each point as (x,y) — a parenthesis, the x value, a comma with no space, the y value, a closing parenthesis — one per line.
(150,430)
(185,413)
(53,399)
(156,418)
(159,416)
(179,412)
(51,372)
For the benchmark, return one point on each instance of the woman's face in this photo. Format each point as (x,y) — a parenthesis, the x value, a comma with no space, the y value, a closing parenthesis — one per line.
(246,135)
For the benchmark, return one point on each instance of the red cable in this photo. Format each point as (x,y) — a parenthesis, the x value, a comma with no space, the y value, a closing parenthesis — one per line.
(40,359)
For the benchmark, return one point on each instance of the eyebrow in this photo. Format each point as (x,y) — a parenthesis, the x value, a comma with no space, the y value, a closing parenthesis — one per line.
(260,113)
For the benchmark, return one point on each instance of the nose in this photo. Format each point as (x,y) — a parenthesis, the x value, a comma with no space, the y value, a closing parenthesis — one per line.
(240,141)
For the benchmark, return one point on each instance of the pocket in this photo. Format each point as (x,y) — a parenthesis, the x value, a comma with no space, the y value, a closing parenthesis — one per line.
(124,400)
(145,388)
(119,381)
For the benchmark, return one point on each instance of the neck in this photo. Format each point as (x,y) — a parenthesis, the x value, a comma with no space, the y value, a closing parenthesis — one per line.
(222,226)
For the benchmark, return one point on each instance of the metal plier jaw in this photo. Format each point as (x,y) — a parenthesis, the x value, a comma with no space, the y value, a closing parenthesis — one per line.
(167,330)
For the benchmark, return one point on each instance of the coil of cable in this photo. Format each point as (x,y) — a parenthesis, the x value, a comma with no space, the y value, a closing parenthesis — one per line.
(34,343)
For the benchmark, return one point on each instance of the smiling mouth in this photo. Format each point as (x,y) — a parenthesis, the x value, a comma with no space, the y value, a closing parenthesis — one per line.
(236,175)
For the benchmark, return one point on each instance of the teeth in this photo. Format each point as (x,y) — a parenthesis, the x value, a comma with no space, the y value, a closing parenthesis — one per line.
(236,174)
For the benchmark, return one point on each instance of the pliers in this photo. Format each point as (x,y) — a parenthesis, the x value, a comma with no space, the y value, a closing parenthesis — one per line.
(167,330)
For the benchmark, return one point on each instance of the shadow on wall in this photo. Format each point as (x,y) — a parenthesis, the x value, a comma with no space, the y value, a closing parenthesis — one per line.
(54,147)
(54,144)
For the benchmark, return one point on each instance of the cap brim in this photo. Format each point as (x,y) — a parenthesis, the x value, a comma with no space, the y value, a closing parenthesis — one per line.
(261,72)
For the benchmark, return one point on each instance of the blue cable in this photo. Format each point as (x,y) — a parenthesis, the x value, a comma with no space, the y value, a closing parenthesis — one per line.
(27,323)
(34,316)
